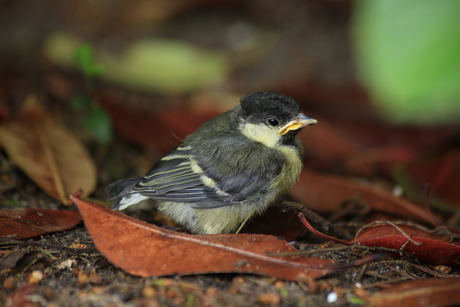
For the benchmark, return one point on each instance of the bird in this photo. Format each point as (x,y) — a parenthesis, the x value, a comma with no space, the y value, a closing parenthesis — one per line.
(231,168)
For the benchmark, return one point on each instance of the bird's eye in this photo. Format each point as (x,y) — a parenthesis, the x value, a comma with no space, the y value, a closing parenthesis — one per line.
(272,121)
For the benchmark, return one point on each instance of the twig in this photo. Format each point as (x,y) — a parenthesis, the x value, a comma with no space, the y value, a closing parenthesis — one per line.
(387,223)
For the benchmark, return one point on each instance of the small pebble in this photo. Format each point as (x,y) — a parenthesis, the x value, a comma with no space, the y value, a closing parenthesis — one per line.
(269,298)
(332,297)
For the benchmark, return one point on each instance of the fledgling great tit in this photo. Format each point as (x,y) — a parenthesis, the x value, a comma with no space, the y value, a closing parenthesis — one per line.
(232,167)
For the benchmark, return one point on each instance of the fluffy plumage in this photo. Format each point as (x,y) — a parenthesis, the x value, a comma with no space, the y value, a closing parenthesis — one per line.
(231,168)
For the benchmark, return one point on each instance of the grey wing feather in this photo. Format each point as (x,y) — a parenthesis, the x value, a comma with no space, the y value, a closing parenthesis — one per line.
(172,179)
(251,169)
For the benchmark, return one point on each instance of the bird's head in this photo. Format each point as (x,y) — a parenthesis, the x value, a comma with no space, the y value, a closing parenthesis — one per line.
(271,118)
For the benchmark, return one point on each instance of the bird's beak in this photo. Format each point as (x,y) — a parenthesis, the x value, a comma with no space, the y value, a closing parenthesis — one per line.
(300,122)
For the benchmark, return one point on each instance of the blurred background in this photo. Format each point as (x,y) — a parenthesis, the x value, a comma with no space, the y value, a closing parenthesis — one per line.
(132,78)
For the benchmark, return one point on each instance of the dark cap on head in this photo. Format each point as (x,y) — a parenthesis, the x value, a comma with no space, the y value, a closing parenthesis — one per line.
(261,104)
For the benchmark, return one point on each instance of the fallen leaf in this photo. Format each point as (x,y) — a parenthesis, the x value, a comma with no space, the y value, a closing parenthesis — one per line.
(325,194)
(10,260)
(427,247)
(48,153)
(327,140)
(22,297)
(369,162)
(278,221)
(146,250)
(441,173)
(424,292)
(27,223)
(156,129)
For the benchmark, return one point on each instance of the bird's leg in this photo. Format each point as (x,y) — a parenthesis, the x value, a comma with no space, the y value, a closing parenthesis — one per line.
(242,224)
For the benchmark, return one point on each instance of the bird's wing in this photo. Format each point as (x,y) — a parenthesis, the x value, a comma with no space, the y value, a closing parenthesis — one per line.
(212,176)
(173,179)
(236,170)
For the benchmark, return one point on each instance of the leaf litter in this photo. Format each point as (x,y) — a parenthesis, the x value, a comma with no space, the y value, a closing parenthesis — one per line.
(50,155)
(131,245)
(361,148)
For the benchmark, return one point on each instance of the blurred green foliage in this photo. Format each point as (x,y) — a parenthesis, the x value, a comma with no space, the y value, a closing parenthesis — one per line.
(97,123)
(85,61)
(159,65)
(409,55)
(96,120)
(165,66)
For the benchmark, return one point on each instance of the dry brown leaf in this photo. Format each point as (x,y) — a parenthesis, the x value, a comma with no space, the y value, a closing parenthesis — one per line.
(52,157)
(22,297)
(423,244)
(426,292)
(327,140)
(325,194)
(27,223)
(146,250)
(426,246)
(158,128)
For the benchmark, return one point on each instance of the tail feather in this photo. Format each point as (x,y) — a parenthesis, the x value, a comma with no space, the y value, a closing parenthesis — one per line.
(122,192)
(121,188)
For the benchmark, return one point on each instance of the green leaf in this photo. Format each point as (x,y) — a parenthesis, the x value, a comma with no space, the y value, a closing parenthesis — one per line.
(357,301)
(97,123)
(409,56)
(80,102)
(85,61)
(158,65)
(165,66)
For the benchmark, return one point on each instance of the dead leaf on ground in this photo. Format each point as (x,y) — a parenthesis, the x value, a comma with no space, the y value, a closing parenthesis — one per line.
(441,173)
(146,250)
(11,258)
(158,128)
(27,223)
(425,292)
(368,162)
(277,221)
(52,157)
(22,297)
(327,140)
(427,247)
(325,194)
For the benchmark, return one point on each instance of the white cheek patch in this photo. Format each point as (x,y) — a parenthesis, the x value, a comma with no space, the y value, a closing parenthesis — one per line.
(261,133)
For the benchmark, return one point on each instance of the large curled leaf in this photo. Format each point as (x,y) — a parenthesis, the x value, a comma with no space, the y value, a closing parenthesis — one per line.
(147,250)
(51,156)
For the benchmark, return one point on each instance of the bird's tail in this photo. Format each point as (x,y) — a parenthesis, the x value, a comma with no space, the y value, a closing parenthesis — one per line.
(121,188)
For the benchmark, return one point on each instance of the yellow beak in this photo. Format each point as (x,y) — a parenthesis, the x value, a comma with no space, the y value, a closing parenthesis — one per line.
(300,122)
